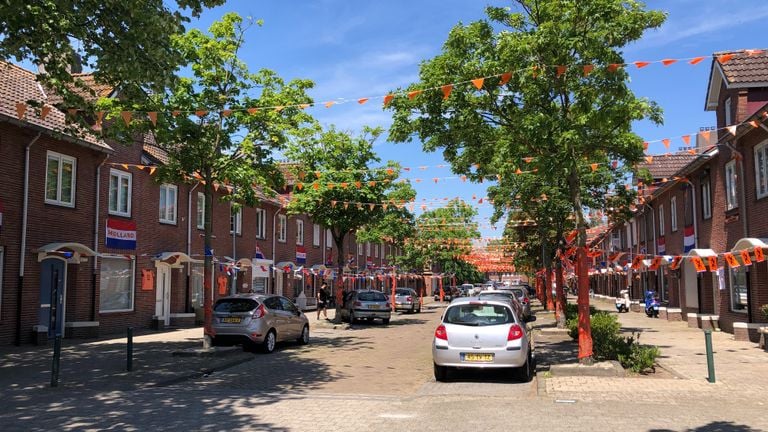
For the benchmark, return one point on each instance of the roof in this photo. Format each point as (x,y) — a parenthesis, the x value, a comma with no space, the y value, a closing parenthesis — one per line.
(19,85)
(744,69)
(87,81)
(666,166)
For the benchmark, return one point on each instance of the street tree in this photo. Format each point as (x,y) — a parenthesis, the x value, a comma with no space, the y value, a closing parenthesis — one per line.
(225,124)
(128,43)
(397,224)
(555,91)
(339,188)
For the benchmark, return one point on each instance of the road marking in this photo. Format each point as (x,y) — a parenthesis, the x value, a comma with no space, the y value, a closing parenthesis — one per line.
(397,416)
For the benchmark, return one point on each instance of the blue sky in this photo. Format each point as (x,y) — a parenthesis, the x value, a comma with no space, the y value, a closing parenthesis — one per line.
(354,49)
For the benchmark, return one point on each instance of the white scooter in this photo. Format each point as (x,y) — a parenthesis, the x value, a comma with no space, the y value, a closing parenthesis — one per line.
(622,303)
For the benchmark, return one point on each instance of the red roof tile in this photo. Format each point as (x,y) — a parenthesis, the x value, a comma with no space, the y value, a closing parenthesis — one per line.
(666,166)
(745,68)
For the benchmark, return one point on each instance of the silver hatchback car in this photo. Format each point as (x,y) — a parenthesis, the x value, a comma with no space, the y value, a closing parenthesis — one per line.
(366,304)
(482,333)
(258,320)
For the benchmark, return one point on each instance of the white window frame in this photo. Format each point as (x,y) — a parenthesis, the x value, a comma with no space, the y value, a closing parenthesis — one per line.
(236,219)
(282,228)
(60,159)
(761,170)
(120,176)
(163,206)
(730,288)
(375,250)
(367,249)
(728,111)
(706,198)
(731,195)
(673,214)
(316,235)
(661,219)
(132,284)
(359,248)
(200,210)
(328,238)
(299,232)
(261,223)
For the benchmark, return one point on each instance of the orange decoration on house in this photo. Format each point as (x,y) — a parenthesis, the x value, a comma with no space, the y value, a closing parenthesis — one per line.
(221,282)
(745,257)
(731,260)
(712,260)
(698,264)
(478,83)
(147,280)
(655,264)
(447,89)
(759,257)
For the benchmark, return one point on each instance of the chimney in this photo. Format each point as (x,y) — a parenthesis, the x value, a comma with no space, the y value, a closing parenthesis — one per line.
(710,140)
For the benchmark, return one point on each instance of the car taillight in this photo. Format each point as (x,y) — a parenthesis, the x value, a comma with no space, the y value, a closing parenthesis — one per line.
(440,333)
(358,304)
(515,333)
(409,298)
(259,312)
(525,300)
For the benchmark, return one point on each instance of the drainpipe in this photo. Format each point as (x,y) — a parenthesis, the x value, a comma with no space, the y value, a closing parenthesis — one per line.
(22,255)
(96,218)
(743,212)
(187,305)
(274,239)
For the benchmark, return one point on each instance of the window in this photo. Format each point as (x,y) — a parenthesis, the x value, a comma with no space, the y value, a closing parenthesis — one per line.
(60,179)
(316,235)
(359,248)
(728,112)
(661,220)
(376,250)
(367,248)
(731,201)
(119,193)
(634,232)
(196,278)
(200,210)
(328,238)
(738,289)
(299,232)
(761,170)
(706,198)
(261,223)
(235,221)
(168,203)
(282,228)
(673,213)
(116,284)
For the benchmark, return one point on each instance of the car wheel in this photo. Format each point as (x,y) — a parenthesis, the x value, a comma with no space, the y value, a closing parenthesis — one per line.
(525,372)
(268,346)
(441,373)
(385,320)
(352,318)
(419,309)
(413,308)
(304,338)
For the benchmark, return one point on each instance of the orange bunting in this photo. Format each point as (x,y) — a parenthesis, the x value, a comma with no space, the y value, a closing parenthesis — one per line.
(696,60)
(371,206)
(436,179)
(588,69)
(732,129)
(447,89)
(152,117)
(358,184)
(655,264)
(371,183)
(698,264)
(505,77)
(344,185)
(561,70)
(731,260)
(329,104)
(594,167)
(413,94)
(315,186)
(692,151)
(201,113)
(175,113)
(613,67)
(152,170)
(528,159)
(745,257)
(712,261)
(126,115)
(641,64)
(667,62)
(666,142)
(299,186)
(759,257)
(687,139)
(388,98)
(463,178)
(478,83)
(362,100)
(334,202)
(675,263)
(725,58)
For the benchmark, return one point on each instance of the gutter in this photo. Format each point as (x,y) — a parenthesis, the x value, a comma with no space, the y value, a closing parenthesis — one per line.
(96,218)
(60,136)
(22,255)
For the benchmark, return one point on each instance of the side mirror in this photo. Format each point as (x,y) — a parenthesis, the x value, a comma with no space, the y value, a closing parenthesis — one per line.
(531,318)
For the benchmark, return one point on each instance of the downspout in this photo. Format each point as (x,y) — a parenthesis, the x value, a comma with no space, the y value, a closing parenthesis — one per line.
(744,225)
(22,255)
(274,239)
(96,237)
(187,305)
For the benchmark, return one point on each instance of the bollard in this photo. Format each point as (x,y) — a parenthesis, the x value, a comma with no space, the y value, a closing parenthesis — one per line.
(129,360)
(710,357)
(56,361)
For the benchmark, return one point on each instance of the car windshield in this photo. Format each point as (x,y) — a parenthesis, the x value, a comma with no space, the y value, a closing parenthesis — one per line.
(235,305)
(371,296)
(479,315)
(402,291)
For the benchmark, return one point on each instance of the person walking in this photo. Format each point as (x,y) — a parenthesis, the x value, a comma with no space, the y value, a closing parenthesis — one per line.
(322,301)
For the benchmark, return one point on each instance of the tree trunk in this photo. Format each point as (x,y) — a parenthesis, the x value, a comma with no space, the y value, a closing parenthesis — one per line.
(560,294)
(582,272)
(340,280)
(548,287)
(208,332)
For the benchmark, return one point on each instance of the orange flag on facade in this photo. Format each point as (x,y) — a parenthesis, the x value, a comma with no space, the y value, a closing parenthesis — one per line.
(147,280)
(731,260)
(330,104)
(698,263)
(712,263)
(221,281)
(745,257)
(675,263)
(655,264)
(478,83)
(759,257)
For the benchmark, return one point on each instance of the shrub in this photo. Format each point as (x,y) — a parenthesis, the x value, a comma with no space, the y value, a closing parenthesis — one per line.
(572,311)
(641,358)
(764,310)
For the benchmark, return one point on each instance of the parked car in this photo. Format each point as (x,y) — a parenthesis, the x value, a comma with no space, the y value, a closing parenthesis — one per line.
(465,289)
(406,299)
(366,304)
(506,295)
(449,293)
(258,320)
(522,296)
(482,333)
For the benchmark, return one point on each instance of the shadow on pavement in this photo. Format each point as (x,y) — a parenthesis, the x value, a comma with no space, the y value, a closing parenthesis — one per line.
(719,426)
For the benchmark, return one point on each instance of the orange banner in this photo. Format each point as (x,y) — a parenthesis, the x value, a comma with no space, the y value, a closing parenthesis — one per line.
(759,257)
(698,263)
(675,263)
(745,257)
(731,260)
(712,263)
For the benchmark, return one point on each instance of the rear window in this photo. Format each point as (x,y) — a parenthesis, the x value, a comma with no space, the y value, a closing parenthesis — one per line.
(235,305)
(500,296)
(403,291)
(371,296)
(479,315)
(518,292)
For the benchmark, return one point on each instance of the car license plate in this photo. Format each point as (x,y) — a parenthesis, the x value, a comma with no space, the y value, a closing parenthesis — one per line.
(231,320)
(477,358)
(373,306)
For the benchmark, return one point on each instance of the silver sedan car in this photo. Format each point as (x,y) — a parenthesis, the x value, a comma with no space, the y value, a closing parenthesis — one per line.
(482,333)
(258,321)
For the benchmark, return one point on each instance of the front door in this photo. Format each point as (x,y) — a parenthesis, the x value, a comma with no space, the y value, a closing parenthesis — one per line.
(53,275)
(163,293)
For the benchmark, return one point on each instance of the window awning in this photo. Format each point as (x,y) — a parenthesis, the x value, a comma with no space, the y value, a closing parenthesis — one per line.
(750,242)
(71,252)
(702,253)
(175,259)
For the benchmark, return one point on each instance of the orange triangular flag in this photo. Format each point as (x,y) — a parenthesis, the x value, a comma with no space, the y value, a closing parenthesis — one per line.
(371,206)
(388,98)
(21,109)
(613,67)
(317,174)
(344,185)
(99,118)
(315,186)
(666,142)
(751,52)
(126,115)
(252,111)
(528,159)
(201,113)
(725,58)
(732,129)
(371,183)
(478,83)
(704,134)
(667,62)
(687,139)
(330,104)
(753,123)
(561,70)
(72,112)
(675,263)
(447,89)
(334,202)
(413,94)
(358,184)
(44,111)
(594,167)
(696,60)
(745,257)
(759,256)
(125,166)
(330,185)
(175,113)
(641,64)
(216,187)
(299,186)
(304,105)
(588,69)
(152,117)
(362,100)
(152,170)
(463,178)
(505,77)
(518,171)
(649,159)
